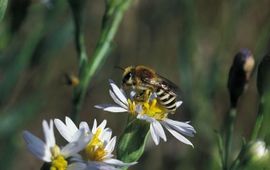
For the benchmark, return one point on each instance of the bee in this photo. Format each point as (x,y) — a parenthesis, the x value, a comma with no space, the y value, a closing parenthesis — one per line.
(71,80)
(145,80)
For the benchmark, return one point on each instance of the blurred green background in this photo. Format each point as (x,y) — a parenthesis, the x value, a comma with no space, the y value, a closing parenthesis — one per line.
(191,42)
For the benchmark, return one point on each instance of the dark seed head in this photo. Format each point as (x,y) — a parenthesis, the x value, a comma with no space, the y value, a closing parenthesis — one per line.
(239,74)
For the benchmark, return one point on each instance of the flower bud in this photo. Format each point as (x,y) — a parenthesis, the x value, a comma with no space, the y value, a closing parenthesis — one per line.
(263,77)
(258,151)
(256,155)
(239,74)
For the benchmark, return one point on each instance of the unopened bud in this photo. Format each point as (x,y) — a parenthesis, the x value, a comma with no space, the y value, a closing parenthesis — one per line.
(258,150)
(263,77)
(256,155)
(240,73)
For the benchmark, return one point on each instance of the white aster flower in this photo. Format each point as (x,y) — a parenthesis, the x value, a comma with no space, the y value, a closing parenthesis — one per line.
(98,151)
(50,152)
(151,112)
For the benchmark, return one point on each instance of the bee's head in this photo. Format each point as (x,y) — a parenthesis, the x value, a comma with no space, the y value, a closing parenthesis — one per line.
(129,76)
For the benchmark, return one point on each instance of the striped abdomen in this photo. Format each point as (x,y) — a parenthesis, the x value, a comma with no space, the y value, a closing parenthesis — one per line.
(166,99)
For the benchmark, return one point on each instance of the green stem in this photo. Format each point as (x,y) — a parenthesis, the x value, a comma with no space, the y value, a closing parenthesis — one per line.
(258,123)
(111,20)
(238,162)
(3,7)
(77,11)
(235,164)
(220,147)
(229,126)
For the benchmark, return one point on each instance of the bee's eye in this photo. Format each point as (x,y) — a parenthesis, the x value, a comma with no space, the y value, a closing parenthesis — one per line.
(127,78)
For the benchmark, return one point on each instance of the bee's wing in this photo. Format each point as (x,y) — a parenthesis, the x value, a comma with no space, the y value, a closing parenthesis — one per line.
(165,84)
(169,85)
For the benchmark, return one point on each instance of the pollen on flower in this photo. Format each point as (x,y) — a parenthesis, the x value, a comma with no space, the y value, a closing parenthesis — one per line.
(154,110)
(59,163)
(95,148)
(55,151)
(132,106)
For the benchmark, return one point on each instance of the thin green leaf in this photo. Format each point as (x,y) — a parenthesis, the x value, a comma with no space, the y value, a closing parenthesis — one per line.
(220,147)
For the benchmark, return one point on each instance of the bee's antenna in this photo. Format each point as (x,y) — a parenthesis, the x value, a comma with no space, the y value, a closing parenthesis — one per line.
(118,67)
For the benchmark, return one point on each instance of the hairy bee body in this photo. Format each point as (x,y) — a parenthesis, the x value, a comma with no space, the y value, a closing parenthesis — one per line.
(144,79)
(166,99)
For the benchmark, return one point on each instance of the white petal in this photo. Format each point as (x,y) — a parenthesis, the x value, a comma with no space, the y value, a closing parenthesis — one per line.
(71,125)
(145,117)
(140,116)
(94,128)
(132,94)
(76,136)
(105,136)
(118,92)
(29,138)
(116,100)
(52,137)
(177,135)
(42,154)
(77,166)
(48,133)
(71,148)
(84,125)
(102,125)
(111,108)
(91,165)
(178,123)
(154,134)
(178,103)
(76,146)
(139,109)
(153,96)
(159,130)
(110,146)
(181,127)
(76,158)
(63,130)
(115,109)
(37,147)
(118,163)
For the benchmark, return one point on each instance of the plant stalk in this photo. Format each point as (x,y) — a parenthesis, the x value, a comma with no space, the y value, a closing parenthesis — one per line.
(112,18)
(229,127)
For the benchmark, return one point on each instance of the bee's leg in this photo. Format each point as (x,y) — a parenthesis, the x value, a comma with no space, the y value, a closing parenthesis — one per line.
(142,95)
(147,95)
(139,96)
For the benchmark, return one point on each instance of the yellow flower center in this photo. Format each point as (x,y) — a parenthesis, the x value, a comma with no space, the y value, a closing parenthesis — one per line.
(58,160)
(132,106)
(59,163)
(95,148)
(55,151)
(149,107)
(154,110)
